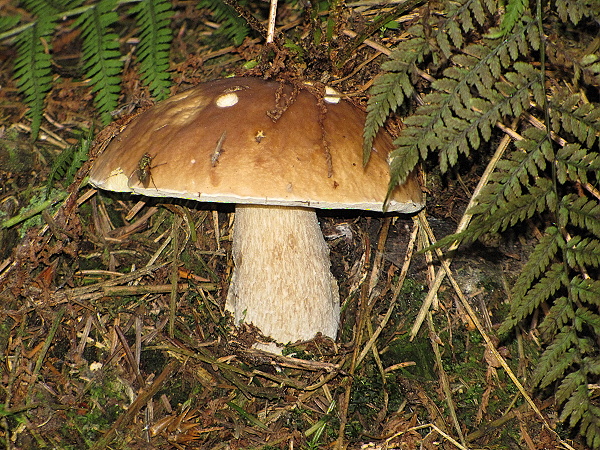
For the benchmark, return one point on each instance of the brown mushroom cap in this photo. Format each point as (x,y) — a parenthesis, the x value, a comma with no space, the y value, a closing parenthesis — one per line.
(217,142)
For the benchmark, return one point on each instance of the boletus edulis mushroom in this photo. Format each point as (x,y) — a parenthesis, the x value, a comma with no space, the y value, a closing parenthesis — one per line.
(277,151)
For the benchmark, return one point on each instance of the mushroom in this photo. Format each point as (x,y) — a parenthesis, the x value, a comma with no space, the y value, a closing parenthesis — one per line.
(277,152)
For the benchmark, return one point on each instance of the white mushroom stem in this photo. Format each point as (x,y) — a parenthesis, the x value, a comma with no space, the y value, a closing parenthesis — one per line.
(281,280)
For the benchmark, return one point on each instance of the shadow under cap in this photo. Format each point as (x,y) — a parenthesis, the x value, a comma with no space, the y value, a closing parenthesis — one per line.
(217,143)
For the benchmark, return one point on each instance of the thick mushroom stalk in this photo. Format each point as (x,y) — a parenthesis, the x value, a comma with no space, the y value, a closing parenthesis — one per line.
(281,280)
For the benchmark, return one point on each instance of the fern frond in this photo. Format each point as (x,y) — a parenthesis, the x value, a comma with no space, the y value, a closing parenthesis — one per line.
(559,314)
(101,55)
(392,87)
(575,10)
(569,385)
(492,81)
(584,316)
(581,120)
(574,162)
(581,212)
(557,358)
(503,212)
(459,20)
(567,349)
(545,250)
(153,18)
(590,425)
(539,260)
(513,15)
(8,22)
(589,67)
(452,119)
(67,163)
(552,280)
(586,290)
(41,8)
(233,26)
(574,408)
(32,68)
(580,407)
(464,133)
(529,295)
(387,93)
(583,252)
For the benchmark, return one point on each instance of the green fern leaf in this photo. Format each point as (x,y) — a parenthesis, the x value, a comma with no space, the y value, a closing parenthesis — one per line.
(586,290)
(404,160)
(575,10)
(387,93)
(390,89)
(559,315)
(8,22)
(154,17)
(455,33)
(589,67)
(233,26)
(583,252)
(513,15)
(101,54)
(508,212)
(567,350)
(68,162)
(537,263)
(590,425)
(496,207)
(32,68)
(585,317)
(444,122)
(557,358)
(583,121)
(545,250)
(576,405)
(581,212)
(574,162)
(569,385)
(554,278)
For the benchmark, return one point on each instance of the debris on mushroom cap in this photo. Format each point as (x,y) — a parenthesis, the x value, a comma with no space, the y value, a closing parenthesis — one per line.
(216,143)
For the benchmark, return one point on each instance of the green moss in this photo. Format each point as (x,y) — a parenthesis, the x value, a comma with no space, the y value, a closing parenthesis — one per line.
(419,351)
(16,152)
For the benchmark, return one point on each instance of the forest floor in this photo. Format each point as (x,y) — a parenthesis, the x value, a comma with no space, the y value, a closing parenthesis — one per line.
(108,343)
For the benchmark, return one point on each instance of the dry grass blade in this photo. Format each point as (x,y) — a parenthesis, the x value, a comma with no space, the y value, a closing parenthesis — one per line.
(395,295)
(488,342)
(433,427)
(464,222)
(47,343)
(139,402)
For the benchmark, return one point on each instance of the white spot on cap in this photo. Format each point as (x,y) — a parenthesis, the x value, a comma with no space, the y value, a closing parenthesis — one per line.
(193,161)
(227,100)
(331,95)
